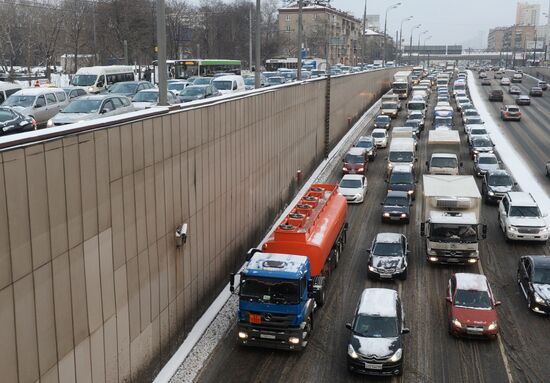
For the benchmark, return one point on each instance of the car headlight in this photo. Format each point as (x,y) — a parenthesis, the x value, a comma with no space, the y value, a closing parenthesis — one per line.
(397,356)
(91,89)
(360,169)
(513,228)
(243,335)
(476,151)
(358,195)
(491,193)
(351,352)
(492,326)
(403,215)
(390,165)
(386,214)
(294,340)
(538,298)
(410,192)
(457,323)
(411,164)
(344,168)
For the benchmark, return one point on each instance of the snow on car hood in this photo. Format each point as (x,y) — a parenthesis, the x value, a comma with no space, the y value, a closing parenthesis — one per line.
(376,347)
(527,221)
(143,105)
(349,191)
(542,290)
(500,189)
(387,263)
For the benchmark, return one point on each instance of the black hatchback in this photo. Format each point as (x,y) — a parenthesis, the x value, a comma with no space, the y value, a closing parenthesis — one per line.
(382,122)
(534,281)
(12,121)
(396,207)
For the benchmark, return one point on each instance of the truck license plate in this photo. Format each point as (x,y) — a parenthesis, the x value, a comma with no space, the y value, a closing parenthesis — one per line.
(267,336)
(373,366)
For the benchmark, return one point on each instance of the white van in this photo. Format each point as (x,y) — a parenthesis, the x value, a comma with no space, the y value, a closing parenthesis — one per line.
(229,84)
(95,79)
(416,104)
(402,152)
(39,103)
(7,89)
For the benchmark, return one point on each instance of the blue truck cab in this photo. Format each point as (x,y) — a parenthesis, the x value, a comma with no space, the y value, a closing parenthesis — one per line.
(275,301)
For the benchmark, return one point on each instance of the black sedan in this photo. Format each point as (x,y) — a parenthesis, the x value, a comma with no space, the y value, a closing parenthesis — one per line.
(396,207)
(536,91)
(523,99)
(534,281)
(14,122)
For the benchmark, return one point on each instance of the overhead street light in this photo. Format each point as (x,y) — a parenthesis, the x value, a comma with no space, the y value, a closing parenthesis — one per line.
(411,41)
(401,36)
(385,29)
(418,46)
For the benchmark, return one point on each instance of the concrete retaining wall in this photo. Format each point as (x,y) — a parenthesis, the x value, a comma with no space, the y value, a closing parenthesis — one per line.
(92,286)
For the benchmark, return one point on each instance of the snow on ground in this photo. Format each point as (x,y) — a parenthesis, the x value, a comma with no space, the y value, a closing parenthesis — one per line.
(186,363)
(513,160)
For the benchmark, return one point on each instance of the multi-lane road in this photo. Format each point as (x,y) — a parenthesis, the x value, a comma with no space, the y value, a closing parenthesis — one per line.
(431,354)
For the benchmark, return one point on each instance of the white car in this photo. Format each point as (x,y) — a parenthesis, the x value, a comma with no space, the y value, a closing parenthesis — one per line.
(520,218)
(505,81)
(353,187)
(148,98)
(177,87)
(475,131)
(380,137)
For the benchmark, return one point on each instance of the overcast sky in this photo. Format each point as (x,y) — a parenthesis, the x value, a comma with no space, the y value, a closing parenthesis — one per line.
(448,21)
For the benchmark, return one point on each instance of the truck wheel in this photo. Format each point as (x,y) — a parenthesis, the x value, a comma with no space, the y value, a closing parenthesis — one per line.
(321,296)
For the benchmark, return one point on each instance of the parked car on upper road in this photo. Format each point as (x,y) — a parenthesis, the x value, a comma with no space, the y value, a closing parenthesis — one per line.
(198,92)
(129,88)
(145,99)
(38,103)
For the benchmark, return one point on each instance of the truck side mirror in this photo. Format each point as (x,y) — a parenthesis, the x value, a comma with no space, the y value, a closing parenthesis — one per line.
(427,164)
(422,229)
(461,164)
(484,231)
(348,326)
(232,282)
(310,289)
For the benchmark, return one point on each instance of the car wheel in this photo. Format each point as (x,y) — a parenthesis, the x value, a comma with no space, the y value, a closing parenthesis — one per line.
(371,275)
(403,275)
(530,303)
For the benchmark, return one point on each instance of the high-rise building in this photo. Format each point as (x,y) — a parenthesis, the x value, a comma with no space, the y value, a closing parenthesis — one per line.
(527,14)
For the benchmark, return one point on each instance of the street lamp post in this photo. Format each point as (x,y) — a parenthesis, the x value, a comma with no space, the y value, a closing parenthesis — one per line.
(161,44)
(418,46)
(385,29)
(299,62)
(411,42)
(424,49)
(257,63)
(401,37)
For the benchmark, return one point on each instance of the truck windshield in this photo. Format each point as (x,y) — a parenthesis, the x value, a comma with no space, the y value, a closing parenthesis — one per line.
(453,233)
(375,326)
(400,86)
(444,162)
(401,156)
(271,290)
(84,79)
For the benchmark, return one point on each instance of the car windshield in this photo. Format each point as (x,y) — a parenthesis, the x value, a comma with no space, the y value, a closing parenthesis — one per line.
(350,184)
(84,79)
(83,106)
(473,120)
(191,91)
(473,299)
(488,160)
(202,81)
(223,85)
(412,123)
(444,162)
(396,201)
(375,326)
(500,180)
(416,106)
(541,275)
(123,88)
(440,232)
(471,112)
(146,97)
(446,121)
(382,119)
(401,178)
(367,144)
(378,134)
(270,290)
(389,249)
(249,81)
(524,211)
(276,80)
(24,101)
(354,159)
(176,86)
(401,156)
(6,115)
(481,143)
(477,132)
(513,110)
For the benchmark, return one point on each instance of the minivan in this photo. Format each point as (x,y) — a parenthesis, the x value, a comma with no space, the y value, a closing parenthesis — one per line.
(229,84)
(38,103)
(416,105)
(402,151)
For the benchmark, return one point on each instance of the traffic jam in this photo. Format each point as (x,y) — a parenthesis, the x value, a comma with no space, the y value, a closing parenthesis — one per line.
(287,281)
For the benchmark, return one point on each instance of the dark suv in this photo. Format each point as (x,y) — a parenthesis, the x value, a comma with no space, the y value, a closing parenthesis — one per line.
(402,178)
(496,95)
(534,281)
(376,342)
(495,184)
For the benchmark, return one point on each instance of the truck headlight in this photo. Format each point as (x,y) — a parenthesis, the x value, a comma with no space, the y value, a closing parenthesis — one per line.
(491,193)
(457,323)
(544,229)
(344,168)
(294,340)
(360,169)
(243,335)
(390,165)
(492,326)
(91,89)
(397,356)
(538,298)
(50,123)
(351,352)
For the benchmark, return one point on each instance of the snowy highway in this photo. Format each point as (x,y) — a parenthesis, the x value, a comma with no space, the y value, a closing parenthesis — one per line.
(431,355)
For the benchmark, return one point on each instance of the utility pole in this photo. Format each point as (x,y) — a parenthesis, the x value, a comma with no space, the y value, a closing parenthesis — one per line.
(299,62)
(411,42)
(94,61)
(258,43)
(385,29)
(364,34)
(514,47)
(249,38)
(125,52)
(161,44)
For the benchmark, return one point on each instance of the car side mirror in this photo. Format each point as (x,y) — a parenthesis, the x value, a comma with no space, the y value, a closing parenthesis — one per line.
(381,203)
(416,160)
(515,184)
(368,251)
(405,330)
(410,205)
(232,282)
(103,111)
(461,164)
(422,229)
(348,326)
(498,303)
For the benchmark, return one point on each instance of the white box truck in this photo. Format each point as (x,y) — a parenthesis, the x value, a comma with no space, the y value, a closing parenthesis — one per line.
(444,152)
(402,83)
(451,209)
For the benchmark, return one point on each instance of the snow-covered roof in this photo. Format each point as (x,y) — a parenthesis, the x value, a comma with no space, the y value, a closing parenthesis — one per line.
(443,137)
(276,262)
(356,151)
(401,169)
(521,198)
(463,218)
(378,302)
(450,186)
(388,237)
(352,177)
(470,281)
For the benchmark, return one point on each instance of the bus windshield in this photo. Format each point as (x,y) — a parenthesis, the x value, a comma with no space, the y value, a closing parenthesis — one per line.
(84,80)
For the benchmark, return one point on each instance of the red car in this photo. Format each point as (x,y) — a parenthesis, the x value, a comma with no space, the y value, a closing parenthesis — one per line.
(356,161)
(471,306)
